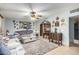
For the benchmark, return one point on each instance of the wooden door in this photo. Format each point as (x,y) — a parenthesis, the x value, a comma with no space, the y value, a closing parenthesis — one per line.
(41,30)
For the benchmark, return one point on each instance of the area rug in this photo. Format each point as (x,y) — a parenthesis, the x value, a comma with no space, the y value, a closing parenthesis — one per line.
(39,47)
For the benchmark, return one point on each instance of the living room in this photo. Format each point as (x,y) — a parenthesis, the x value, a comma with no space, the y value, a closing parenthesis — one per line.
(36,28)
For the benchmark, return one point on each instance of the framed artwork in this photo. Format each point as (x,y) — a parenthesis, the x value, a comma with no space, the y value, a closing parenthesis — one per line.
(53,22)
(57,18)
(57,23)
(62,20)
(14,26)
(24,25)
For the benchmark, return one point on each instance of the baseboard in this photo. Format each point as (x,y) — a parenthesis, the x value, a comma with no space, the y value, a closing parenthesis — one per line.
(66,45)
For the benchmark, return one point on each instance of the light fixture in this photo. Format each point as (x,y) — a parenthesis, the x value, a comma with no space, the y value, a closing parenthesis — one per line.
(34,14)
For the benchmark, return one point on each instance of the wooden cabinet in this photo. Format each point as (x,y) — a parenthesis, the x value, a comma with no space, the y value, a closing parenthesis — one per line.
(45,31)
(56,37)
(46,35)
(45,28)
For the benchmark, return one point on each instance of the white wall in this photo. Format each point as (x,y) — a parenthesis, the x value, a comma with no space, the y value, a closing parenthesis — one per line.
(2,26)
(37,25)
(10,26)
(64,29)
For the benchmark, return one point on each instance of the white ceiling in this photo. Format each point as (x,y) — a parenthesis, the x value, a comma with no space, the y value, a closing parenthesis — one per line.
(20,10)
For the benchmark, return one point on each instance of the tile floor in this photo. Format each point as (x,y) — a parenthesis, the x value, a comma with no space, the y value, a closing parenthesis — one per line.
(72,50)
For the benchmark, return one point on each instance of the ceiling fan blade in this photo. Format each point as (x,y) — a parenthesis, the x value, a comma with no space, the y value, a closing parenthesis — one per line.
(37,18)
(33,12)
(39,15)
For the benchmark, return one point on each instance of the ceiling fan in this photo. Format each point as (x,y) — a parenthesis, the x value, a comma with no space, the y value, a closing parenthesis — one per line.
(34,14)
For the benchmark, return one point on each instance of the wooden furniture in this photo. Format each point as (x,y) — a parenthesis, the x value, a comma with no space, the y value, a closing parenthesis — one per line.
(41,29)
(55,37)
(45,31)
(45,28)
(58,38)
(50,37)
(46,35)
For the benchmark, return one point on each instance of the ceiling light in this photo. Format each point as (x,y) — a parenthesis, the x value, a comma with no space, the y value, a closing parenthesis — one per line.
(37,18)
(33,12)
(39,15)
(33,16)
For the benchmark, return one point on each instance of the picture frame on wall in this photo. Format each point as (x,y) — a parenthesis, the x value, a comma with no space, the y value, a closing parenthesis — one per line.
(57,23)
(62,20)
(24,25)
(14,26)
(57,18)
(53,22)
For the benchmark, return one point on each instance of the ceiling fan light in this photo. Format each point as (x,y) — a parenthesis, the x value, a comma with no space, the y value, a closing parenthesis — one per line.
(33,12)
(39,15)
(37,18)
(33,16)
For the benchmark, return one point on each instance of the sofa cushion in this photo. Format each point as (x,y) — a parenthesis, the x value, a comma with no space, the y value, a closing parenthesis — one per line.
(23,32)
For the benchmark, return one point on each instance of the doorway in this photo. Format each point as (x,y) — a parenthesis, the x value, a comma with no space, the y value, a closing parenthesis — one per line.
(45,28)
(74,30)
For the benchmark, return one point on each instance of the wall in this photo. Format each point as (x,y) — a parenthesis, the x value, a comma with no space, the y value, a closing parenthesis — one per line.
(64,29)
(68,29)
(62,14)
(10,26)
(2,26)
(37,25)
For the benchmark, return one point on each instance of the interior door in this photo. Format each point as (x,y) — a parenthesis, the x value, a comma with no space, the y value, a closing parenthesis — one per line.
(41,29)
(76,30)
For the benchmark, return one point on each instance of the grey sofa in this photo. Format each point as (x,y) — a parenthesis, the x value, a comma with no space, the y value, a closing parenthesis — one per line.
(26,36)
